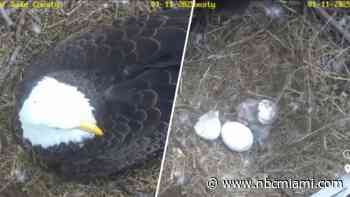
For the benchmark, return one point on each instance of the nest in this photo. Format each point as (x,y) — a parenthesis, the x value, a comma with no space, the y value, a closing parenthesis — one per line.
(296,59)
(24,34)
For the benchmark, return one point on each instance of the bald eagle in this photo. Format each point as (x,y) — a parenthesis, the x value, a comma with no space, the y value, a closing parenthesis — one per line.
(99,102)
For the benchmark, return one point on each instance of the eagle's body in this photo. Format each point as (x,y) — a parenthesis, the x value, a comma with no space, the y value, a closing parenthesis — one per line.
(127,72)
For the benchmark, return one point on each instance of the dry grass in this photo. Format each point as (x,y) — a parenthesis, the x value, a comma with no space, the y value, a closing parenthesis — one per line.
(254,56)
(20,175)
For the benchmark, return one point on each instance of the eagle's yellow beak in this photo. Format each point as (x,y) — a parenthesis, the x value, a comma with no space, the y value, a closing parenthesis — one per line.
(91,128)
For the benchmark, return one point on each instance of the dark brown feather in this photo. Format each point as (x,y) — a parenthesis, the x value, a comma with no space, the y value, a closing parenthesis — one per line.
(128,70)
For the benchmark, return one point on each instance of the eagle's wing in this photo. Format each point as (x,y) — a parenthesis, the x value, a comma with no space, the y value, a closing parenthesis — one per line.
(139,115)
(153,40)
(145,101)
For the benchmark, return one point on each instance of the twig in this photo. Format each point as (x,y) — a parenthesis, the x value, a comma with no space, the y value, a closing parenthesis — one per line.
(14,55)
(318,130)
(325,15)
(79,19)
(7,105)
(74,9)
(246,39)
(6,17)
(21,22)
(6,185)
(287,84)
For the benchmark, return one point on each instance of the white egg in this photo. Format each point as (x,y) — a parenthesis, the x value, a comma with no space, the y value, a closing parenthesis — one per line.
(237,136)
(267,112)
(208,126)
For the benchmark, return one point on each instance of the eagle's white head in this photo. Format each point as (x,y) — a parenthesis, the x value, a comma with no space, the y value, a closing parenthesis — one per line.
(55,113)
